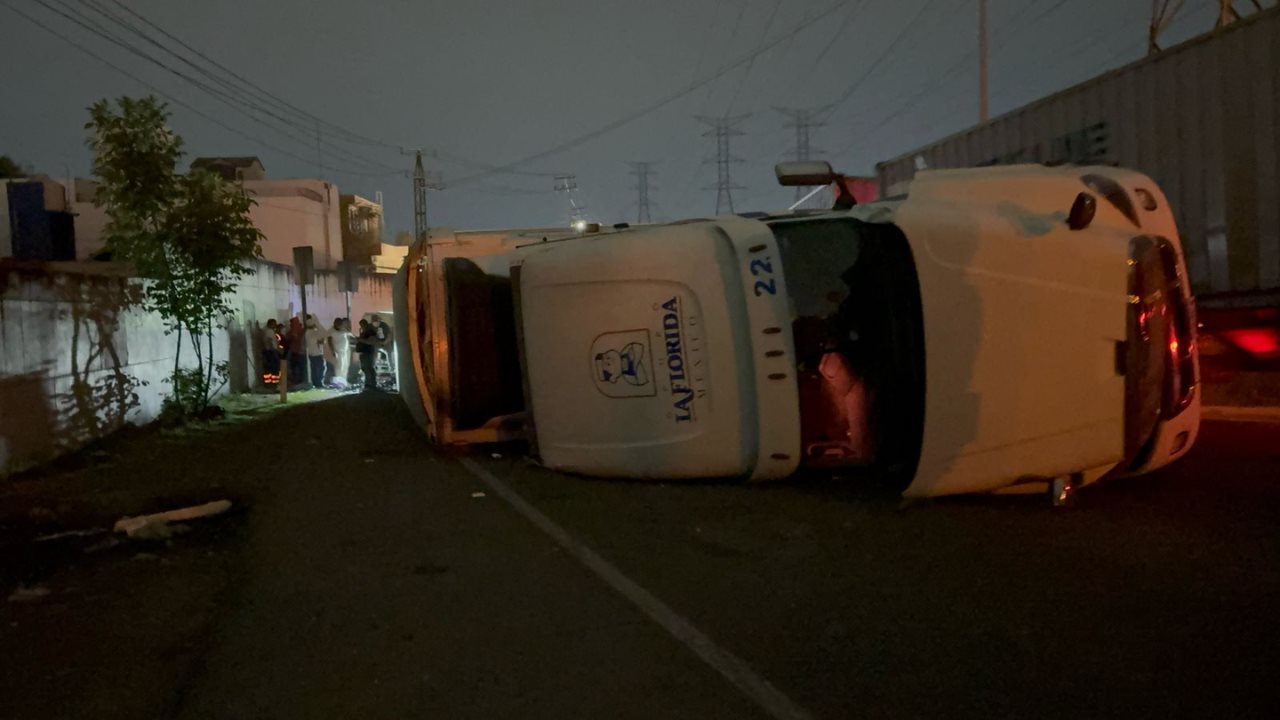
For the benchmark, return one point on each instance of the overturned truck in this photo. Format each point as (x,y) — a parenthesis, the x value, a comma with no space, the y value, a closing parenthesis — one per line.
(1003,328)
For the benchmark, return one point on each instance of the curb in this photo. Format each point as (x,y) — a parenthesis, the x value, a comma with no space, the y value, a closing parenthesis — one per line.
(1228,413)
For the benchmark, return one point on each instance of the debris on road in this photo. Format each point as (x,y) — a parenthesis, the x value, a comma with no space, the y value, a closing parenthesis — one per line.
(69,534)
(156,525)
(105,544)
(477,495)
(496,456)
(28,594)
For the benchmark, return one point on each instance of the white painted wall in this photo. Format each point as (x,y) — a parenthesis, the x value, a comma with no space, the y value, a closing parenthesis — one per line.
(64,347)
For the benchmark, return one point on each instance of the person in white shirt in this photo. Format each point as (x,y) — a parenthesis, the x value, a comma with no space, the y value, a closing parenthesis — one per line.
(337,353)
(315,339)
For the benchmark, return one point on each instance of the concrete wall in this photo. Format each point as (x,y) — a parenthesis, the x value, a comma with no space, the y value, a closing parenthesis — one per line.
(72,360)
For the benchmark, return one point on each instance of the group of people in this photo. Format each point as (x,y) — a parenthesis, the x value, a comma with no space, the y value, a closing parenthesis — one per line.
(322,357)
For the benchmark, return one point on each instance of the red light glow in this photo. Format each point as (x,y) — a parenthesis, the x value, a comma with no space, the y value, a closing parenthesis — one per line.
(1259,342)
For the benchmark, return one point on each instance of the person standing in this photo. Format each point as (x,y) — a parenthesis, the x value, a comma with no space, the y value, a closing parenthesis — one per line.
(316,339)
(270,341)
(367,347)
(385,341)
(295,342)
(337,353)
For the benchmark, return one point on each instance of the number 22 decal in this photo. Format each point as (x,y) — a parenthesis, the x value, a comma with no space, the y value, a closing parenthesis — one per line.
(767,286)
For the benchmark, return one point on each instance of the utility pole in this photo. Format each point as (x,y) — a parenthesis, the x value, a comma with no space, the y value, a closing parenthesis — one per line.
(803,120)
(723,128)
(982,61)
(422,182)
(419,198)
(568,184)
(642,171)
(319,154)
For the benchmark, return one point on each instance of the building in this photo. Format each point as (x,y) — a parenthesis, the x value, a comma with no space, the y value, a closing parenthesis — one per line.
(90,220)
(288,213)
(35,223)
(361,229)
(389,258)
(61,225)
(294,213)
(232,168)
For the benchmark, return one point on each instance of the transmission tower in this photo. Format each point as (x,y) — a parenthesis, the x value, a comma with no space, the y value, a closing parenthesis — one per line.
(1227,13)
(568,184)
(723,128)
(803,121)
(1162,14)
(642,172)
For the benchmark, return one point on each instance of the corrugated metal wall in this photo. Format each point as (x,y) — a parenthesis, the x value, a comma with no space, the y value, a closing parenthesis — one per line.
(1202,119)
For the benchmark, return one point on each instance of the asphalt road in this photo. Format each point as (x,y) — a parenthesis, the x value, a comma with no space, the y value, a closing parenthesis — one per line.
(371,579)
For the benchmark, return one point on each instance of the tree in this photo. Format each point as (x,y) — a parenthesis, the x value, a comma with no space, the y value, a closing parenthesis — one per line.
(189,236)
(9,168)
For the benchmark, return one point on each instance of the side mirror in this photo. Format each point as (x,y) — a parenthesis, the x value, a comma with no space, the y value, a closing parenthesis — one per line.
(799,174)
(1082,211)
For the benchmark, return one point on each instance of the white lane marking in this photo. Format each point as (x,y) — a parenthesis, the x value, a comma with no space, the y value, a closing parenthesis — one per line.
(1262,414)
(768,697)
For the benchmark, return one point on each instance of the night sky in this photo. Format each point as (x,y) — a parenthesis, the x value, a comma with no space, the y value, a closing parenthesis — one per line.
(483,84)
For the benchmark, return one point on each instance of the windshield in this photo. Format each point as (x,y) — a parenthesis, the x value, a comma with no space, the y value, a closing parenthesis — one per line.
(855,310)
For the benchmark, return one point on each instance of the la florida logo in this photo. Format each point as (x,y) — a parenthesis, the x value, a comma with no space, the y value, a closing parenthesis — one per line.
(681,371)
(621,364)
(663,361)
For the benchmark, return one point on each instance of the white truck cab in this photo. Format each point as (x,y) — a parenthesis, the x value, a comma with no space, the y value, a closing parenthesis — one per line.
(993,328)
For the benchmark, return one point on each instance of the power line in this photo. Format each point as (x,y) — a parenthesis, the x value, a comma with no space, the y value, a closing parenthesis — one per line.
(107,63)
(661,102)
(96,29)
(839,32)
(706,99)
(254,96)
(292,130)
(269,97)
(947,78)
(893,46)
(777,4)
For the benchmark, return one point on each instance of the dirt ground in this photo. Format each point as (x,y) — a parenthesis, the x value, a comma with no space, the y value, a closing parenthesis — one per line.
(100,627)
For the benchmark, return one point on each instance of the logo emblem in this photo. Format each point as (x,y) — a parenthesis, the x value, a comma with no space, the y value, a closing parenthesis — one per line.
(621,366)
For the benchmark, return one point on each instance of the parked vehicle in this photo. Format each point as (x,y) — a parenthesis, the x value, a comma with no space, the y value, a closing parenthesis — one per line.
(998,327)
